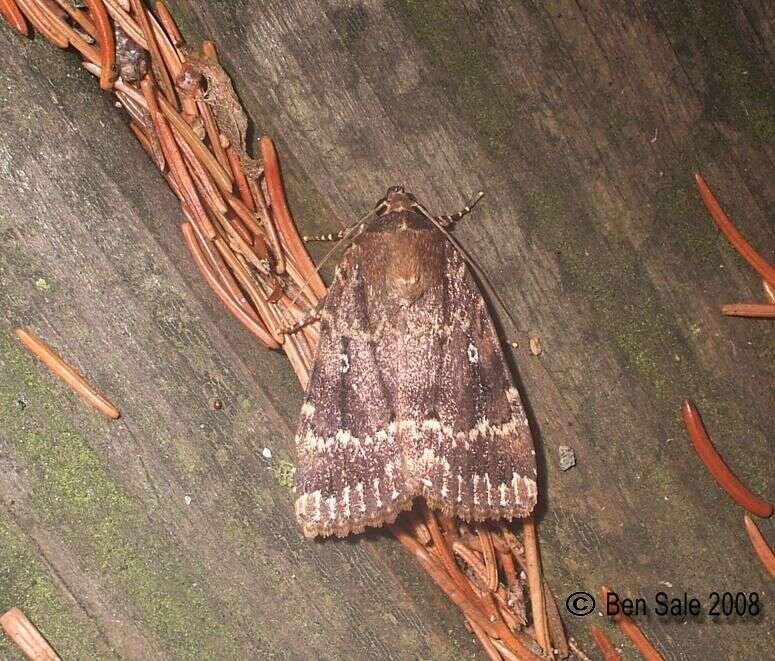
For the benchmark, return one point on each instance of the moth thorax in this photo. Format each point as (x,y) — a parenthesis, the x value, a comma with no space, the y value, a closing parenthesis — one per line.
(405,275)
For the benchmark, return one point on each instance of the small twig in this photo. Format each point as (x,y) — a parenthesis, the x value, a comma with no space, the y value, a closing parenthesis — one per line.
(765,269)
(245,239)
(139,130)
(120,86)
(715,464)
(760,545)
(67,373)
(294,346)
(535,583)
(443,552)
(26,637)
(764,310)
(213,134)
(604,644)
(239,244)
(495,624)
(633,632)
(56,29)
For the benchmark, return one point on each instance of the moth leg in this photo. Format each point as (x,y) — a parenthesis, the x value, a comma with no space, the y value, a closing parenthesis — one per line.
(336,236)
(310,317)
(446,220)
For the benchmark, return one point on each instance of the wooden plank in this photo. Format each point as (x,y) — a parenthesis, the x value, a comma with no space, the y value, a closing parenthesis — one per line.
(92,259)
(584,124)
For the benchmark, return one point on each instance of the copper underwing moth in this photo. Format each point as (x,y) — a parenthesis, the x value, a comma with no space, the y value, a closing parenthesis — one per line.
(409,393)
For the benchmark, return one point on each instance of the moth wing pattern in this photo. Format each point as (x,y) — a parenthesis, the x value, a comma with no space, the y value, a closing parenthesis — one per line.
(471,451)
(409,393)
(349,472)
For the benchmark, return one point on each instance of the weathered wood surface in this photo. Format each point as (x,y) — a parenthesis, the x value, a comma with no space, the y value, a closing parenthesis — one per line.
(583,122)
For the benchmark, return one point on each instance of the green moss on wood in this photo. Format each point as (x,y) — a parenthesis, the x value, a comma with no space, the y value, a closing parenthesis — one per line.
(283,472)
(26,584)
(73,492)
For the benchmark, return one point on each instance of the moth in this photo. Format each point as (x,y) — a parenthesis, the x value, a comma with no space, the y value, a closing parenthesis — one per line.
(409,393)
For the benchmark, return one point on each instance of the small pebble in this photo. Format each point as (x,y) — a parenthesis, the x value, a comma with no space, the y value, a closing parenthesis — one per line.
(216,404)
(188,500)
(535,346)
(266,453)
(567,457)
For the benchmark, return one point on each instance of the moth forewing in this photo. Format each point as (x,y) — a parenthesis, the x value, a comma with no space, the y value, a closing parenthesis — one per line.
(409,393)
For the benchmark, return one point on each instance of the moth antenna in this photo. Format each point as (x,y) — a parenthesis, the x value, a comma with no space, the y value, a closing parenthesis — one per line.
(347,235)
(471,262)
(447,220)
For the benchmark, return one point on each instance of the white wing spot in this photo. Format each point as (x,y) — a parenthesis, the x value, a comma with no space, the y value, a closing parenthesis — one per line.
(344,363)
(473,354)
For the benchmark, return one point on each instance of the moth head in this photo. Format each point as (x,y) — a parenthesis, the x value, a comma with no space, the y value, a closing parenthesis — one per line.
(396,199)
